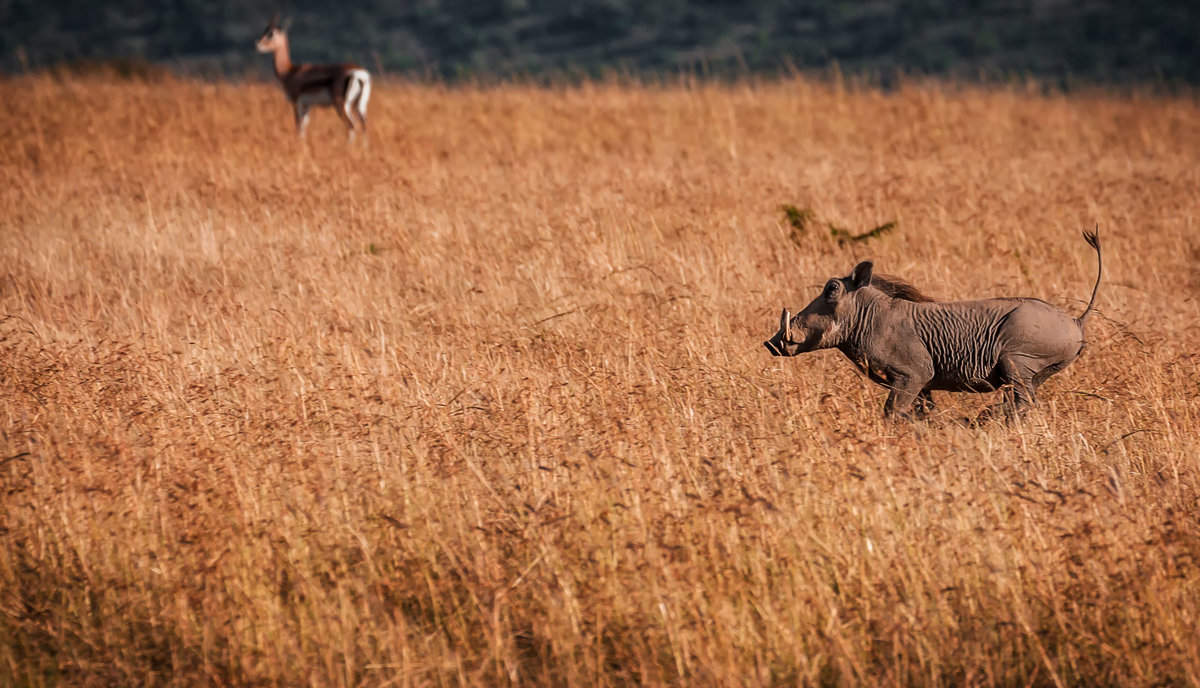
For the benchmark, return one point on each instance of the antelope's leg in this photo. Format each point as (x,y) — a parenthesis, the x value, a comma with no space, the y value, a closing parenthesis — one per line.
(361,110)
(361,97)
(301,118)
(342,105)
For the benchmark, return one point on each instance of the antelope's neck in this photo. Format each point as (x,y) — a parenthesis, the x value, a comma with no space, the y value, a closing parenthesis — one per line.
(283,60)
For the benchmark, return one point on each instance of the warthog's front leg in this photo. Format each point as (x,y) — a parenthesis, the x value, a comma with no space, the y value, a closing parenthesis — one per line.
(904,392)
(924,405)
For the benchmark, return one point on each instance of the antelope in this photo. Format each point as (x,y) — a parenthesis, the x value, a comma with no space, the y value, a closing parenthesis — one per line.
(345,87)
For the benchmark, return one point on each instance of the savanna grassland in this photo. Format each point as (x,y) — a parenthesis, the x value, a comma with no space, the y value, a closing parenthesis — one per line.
(486,403)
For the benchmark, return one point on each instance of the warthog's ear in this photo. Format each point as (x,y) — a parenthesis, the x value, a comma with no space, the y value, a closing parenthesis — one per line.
(861,276)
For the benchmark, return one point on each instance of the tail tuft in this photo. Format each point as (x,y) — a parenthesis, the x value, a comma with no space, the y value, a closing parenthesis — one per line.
(1093,239)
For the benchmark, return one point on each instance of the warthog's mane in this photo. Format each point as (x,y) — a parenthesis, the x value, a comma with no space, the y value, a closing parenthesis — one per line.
(899,289)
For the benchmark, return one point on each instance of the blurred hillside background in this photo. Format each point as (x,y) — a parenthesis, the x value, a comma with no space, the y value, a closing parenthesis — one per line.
(1060,41)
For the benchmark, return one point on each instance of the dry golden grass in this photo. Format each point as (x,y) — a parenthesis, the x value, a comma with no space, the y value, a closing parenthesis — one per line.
(487,403)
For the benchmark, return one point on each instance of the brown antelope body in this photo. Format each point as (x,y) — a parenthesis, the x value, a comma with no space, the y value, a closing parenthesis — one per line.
(344,87)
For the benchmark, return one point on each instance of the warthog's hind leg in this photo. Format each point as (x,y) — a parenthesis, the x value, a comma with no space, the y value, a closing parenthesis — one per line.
(1014,401)
(1017,393)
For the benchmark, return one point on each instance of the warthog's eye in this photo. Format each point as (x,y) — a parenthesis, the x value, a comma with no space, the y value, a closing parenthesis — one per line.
(832,288)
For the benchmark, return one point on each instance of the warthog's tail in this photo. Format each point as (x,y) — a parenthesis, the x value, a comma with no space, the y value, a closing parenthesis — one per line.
(1093,239)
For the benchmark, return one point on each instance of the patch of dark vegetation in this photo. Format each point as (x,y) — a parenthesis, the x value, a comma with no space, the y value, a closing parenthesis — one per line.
(844,236)
(119,68)
(800,219)
(1065,45)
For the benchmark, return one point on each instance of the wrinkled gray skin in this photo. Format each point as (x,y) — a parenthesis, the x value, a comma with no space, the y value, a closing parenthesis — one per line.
(913,347)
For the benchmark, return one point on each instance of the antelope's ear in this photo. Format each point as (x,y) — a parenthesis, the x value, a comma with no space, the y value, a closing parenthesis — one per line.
(861,276)
(287,24)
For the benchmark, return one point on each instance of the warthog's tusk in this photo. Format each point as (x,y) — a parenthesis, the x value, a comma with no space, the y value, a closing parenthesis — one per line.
(785,324)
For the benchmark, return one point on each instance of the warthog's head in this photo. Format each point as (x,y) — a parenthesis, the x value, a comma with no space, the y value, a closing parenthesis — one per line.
(820,324)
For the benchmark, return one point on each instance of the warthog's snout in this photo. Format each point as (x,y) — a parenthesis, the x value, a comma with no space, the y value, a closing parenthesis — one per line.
(780,344)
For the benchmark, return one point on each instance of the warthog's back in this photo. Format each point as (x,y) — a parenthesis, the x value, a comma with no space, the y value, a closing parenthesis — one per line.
(967,340)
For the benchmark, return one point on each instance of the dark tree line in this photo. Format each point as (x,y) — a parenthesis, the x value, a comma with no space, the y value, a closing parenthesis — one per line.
(1107,41)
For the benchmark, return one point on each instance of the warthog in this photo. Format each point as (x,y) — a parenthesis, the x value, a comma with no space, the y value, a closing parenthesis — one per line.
(913,345)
